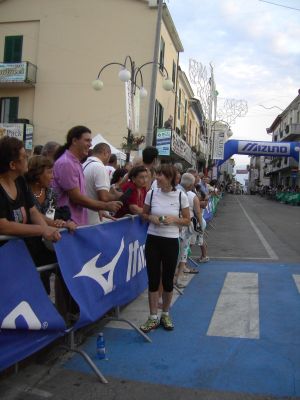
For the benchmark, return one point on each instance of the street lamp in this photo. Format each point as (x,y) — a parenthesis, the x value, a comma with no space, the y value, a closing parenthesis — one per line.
(130,73)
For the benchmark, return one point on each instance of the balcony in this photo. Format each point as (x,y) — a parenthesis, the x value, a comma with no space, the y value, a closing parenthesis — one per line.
(292,133)
(17,74)
(280,164)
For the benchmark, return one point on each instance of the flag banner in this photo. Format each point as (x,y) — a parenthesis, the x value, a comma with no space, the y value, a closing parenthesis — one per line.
(28,319)
(103,266)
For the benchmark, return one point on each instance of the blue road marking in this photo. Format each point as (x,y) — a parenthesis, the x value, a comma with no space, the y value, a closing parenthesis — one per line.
(187,357)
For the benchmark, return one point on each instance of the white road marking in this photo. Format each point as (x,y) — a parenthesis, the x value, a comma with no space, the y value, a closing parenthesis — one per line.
(237,311)
(297,281)
(266,245)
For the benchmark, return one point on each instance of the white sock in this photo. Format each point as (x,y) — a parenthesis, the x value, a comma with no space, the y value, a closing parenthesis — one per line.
(153,316)
(165,313)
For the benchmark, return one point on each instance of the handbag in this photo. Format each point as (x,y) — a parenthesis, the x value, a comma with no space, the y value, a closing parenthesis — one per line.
(196,225)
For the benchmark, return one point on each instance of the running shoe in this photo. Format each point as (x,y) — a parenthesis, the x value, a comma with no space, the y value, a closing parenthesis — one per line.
(203,260)
(166,322)
(151,323)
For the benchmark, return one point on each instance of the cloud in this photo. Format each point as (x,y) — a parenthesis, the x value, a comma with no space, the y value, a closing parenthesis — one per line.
(255,50)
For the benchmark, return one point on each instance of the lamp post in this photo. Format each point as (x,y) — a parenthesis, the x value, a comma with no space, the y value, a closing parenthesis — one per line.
(130,74)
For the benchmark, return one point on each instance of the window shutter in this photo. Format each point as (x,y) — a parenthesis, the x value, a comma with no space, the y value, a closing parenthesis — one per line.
(13,49)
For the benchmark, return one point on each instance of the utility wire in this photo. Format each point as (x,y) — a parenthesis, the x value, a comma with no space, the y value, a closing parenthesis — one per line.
(280,5)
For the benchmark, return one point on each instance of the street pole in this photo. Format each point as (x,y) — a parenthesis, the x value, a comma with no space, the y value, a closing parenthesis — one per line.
(209,125)
(151,111)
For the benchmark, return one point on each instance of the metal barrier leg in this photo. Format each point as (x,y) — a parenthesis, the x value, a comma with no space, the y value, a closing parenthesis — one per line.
(178,290)
(87,358)
(117,318)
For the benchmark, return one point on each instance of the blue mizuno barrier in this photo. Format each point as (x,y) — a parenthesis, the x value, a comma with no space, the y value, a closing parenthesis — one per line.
(28,319)
(103,267)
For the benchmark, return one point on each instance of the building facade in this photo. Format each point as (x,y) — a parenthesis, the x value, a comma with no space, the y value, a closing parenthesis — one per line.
(52,50)
(283,171)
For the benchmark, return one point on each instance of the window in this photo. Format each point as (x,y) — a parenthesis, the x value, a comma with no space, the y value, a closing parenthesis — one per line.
(9,109)
(13,49)
(174,74)
(162,54)
(159,115)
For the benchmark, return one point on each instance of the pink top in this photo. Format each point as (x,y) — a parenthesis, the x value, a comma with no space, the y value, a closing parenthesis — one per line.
(68,174)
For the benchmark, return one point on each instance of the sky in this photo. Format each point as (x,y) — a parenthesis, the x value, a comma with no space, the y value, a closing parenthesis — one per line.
(254,47)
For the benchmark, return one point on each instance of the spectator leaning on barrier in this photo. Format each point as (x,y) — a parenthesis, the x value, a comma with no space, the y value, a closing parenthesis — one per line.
(18,214)
(187,185)
(136,191)
(97,181)
(68,181)
(39,177)
(199,237)
(166,209)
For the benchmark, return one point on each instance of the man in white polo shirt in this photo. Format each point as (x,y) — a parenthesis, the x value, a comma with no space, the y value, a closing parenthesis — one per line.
(97,180)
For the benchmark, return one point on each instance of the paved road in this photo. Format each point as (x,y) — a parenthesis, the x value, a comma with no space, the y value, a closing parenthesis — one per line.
(237,324)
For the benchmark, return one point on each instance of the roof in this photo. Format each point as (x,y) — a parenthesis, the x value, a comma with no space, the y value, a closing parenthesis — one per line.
(171,28)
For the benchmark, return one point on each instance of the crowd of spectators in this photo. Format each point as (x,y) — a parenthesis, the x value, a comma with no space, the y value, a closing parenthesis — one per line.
(71,185)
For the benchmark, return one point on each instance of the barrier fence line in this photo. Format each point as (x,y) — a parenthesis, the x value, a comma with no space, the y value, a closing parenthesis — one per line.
(100,277)
(121,279)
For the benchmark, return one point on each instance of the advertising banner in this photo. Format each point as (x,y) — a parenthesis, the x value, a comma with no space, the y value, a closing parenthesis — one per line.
(219,141)
(181,148)
(28,319)
(15,72)
(12,130)
(163,141)
(264,148)
(103,266)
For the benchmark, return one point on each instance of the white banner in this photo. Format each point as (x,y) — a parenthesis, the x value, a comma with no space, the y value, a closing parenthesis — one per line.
(180,147)
(129,106)
(13,72)
(219,142)
(136,104)
(12,130)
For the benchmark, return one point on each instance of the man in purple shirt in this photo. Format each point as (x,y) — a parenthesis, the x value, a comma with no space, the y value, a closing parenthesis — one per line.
(68,182)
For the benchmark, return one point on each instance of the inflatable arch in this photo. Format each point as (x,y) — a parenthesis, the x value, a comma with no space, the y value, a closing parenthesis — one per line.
(255,148)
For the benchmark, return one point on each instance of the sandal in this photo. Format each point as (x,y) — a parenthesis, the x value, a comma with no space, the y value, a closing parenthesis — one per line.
(191,271)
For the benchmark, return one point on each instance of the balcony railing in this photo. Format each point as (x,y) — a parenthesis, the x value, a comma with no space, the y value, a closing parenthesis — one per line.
(17,74)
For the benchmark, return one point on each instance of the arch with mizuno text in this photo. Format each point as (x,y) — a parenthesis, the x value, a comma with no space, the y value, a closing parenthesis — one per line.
(256,148)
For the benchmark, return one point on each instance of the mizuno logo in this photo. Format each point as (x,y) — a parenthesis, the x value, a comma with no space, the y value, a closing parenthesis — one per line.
(90,270)
(136,259)
(264,148)
(22,310)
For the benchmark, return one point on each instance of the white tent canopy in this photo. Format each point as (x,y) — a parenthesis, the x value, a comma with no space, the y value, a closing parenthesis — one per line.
(100,139)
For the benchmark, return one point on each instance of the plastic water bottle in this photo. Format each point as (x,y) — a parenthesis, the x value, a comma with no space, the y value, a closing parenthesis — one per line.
(101,347)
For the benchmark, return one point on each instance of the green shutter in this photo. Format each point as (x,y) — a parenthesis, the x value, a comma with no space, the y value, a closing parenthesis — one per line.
(13,49)
(13,109)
